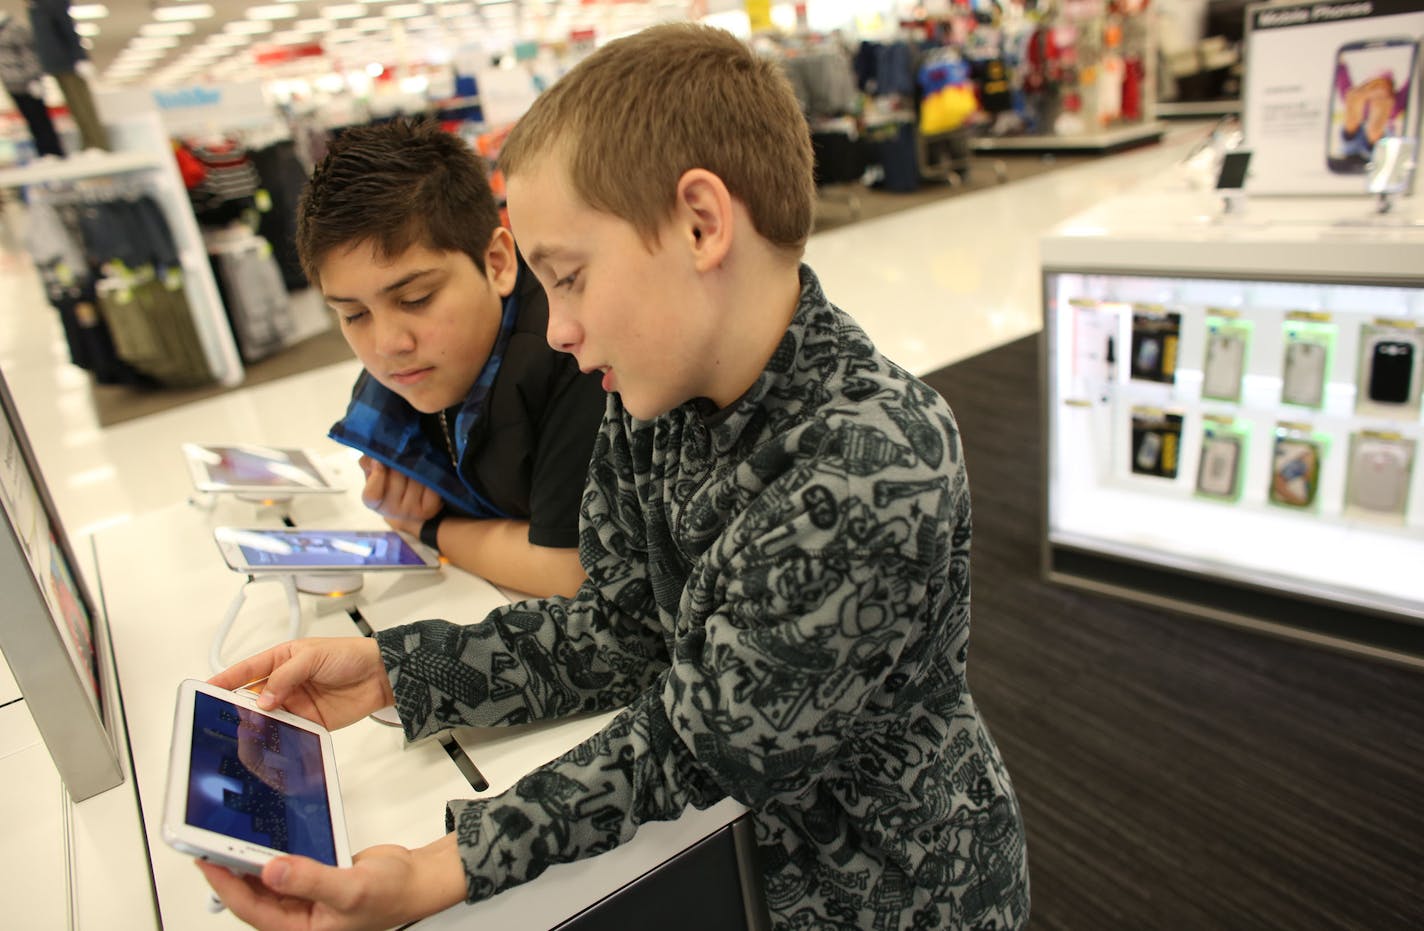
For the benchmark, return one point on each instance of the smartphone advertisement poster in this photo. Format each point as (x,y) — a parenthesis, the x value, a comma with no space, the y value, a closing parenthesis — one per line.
(1325,82)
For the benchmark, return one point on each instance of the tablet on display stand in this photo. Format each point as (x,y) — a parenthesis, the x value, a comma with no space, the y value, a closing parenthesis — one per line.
(261,474)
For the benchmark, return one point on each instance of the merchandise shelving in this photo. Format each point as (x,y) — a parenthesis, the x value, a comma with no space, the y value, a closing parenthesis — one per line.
(1287,532)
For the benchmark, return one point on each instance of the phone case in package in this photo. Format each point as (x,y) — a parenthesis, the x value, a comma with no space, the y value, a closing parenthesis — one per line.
(1225,364)
(1295,468)
(1156,442)
(1390,357)
(1154,345)
(1219,473)
(1380,468)
(1305,371)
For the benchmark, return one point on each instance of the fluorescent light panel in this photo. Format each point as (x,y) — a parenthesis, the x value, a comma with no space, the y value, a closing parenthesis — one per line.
(187,11)
(272,11)
(247,27)
(166,29)
(89,11)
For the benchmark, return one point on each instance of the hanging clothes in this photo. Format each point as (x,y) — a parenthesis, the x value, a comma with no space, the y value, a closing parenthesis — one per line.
(283,178)
(250,286)
(111,269)
(225,186)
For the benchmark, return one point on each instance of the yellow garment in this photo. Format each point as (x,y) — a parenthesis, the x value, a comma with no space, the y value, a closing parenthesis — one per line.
(946,110)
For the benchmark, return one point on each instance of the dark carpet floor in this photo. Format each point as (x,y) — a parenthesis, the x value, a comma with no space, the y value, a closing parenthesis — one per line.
(1174,773)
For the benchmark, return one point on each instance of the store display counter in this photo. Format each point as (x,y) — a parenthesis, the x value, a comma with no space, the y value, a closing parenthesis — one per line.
(1232,411)
(164,588)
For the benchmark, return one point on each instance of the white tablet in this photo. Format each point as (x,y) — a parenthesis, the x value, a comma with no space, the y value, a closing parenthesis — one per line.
(294,549)
(246,785)
(256,470)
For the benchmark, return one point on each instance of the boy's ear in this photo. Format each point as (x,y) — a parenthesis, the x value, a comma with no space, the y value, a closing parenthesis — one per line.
(501,264)
(703,212)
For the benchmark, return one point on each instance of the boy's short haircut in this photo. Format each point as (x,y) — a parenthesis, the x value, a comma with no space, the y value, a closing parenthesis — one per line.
(631,119)
(396,185)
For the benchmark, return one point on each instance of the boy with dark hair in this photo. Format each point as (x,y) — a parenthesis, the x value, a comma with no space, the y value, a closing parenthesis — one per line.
(776,535)
(475,433)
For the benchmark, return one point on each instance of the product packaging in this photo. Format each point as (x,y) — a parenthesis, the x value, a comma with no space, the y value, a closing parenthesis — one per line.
(1228,339)
(1295,465)
(1305,370)
(1381,465)
(1156,442)
(1155,333)
(1391,357)
(1223,457)
(1096,347)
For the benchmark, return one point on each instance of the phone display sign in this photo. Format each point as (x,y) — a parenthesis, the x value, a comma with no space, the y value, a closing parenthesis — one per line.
(1327,81)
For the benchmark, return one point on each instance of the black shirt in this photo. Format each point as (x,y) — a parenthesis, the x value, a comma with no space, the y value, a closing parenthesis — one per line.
(528,454)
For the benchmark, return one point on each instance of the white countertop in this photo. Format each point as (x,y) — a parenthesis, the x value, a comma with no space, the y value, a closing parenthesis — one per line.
(166,590)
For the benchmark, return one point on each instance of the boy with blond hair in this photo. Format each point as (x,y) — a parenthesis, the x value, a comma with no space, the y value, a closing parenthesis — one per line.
(776,536)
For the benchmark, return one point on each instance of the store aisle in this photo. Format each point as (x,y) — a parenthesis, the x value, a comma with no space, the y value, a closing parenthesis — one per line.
(932,285)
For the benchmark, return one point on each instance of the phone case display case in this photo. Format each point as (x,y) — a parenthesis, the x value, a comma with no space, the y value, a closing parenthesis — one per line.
(1250,456)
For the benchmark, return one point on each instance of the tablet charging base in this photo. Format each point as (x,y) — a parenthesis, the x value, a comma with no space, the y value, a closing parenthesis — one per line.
(330,584)
(264,500)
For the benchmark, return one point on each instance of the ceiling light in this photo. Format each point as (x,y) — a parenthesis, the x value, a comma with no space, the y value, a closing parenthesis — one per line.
(454,10)
(168,14)
(89,11)
(246,27)
(371,24)
(147,57)
(166,29)
(223,41)
(272,11)
(343,11)
(86,29)
(404,10)
(146,42)
(312,25)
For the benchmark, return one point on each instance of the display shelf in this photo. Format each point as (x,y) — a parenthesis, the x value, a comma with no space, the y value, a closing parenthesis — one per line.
(1101,142)
(91,164)
(1286,526)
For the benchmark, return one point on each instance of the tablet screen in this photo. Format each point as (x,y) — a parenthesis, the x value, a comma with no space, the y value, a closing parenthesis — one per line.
(247,466)
(323,549)
(259,780)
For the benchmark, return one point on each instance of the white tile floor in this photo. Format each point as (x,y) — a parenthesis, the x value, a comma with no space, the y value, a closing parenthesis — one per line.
(932,285)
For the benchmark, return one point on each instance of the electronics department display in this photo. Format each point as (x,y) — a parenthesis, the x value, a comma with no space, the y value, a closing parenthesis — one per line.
(1381,440)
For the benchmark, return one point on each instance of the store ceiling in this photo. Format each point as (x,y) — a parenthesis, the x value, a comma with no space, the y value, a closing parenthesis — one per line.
(176,42)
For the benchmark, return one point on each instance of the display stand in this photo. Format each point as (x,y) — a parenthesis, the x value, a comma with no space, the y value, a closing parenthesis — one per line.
(56,644)
(1232,412)
(140,147)
(1089,76)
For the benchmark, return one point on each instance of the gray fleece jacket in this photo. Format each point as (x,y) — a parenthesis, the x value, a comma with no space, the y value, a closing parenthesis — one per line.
(778,599)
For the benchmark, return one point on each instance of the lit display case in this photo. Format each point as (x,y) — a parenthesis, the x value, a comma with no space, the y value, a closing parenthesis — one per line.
(1232,410)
